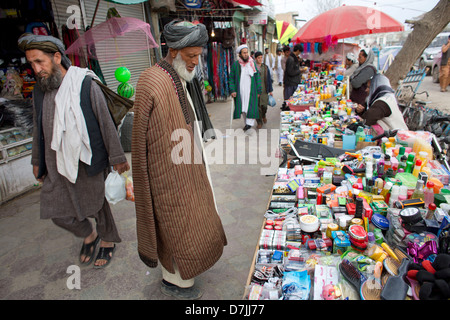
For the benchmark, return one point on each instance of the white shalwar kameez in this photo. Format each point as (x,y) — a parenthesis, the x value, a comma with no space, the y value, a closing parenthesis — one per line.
(245,87)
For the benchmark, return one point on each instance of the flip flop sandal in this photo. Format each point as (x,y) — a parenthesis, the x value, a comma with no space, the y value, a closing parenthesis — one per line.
(104,253)
(88,250)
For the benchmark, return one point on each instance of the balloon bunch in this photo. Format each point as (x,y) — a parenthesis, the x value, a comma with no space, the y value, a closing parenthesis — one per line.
(124,89)
(208,87)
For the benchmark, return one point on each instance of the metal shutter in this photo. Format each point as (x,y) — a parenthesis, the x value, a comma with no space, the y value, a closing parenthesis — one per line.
(136,62)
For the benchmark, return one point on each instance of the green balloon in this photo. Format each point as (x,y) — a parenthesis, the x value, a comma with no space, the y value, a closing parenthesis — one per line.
(122,74)
(125,90)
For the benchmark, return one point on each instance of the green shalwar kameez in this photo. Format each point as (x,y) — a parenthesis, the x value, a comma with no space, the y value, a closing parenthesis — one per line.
(255,89)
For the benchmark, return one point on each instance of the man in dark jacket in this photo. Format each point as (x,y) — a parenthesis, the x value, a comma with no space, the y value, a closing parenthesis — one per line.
(292,73)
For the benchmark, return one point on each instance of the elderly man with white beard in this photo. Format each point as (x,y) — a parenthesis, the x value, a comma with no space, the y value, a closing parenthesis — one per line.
(177,220)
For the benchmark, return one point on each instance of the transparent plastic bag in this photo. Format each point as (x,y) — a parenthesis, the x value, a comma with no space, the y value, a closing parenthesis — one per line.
(115,190)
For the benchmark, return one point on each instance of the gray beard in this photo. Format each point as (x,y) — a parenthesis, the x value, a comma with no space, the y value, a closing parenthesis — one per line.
(180,67)
(52,82)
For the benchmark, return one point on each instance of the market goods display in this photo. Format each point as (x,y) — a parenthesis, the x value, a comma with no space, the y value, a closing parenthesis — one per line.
(350,218)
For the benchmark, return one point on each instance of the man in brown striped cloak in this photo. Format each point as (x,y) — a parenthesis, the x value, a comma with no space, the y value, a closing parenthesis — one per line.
(177,220)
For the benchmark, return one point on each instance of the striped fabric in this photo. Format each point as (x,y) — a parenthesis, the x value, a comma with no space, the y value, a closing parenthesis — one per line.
(175,210)
(235,79)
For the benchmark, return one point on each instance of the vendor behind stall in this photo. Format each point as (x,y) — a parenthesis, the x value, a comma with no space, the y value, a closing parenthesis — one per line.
(351,63)
(361,75)
(381,111)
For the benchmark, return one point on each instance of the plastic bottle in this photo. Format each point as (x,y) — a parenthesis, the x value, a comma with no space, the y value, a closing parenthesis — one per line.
(430,213)
(402,163)
(387,162)
(395,191)
(360,134)
(392,141)
(401,152)
(418,192)
(376,158)
(380,167)
(383,144)
(403,193)
(410,163)
(429,194)
(417,167)
(423,156)
(369,170)
(386,191)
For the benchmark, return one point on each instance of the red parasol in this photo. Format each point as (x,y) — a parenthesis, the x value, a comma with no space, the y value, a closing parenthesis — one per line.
(250,3)
(346,22)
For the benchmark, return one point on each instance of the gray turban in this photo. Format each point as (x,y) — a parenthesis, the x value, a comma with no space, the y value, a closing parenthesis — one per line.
(182,34)
(49,44)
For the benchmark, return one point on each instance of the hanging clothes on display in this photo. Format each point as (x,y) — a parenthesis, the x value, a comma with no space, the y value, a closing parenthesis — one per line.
(219,62)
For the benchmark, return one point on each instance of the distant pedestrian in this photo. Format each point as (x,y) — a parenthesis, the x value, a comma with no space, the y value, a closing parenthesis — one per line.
(362,74)
(292,73)
(444,69)
(269,61)
(279,67)
(176,216)
(72,161)
(267,89)
(245,87)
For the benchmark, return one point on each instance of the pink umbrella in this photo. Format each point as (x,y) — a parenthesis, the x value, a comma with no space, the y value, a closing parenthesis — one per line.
(114,38)
(345,22)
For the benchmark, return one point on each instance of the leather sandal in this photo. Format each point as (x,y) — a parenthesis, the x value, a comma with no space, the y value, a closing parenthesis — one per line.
(88,250)
(104,253)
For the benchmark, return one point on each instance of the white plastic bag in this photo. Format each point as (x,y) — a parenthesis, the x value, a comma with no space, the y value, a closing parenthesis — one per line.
(115,187)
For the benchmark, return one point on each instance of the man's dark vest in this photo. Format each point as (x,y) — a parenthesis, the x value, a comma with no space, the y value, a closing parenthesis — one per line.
(100,157)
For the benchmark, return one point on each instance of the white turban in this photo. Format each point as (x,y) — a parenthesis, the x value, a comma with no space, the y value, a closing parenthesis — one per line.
(351,57)
(239,49)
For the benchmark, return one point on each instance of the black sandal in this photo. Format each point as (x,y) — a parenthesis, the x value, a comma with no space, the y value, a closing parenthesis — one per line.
(88,250)
(104,253)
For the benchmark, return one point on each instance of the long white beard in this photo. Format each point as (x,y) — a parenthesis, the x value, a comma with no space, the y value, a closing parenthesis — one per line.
(180,67)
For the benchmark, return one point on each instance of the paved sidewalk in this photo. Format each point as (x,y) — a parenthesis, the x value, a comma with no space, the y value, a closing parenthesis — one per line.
(35,254)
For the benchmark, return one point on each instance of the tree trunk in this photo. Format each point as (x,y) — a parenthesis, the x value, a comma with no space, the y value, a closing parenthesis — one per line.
(425,30)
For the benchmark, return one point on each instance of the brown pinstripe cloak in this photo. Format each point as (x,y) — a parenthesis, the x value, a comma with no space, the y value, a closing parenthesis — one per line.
(175,210)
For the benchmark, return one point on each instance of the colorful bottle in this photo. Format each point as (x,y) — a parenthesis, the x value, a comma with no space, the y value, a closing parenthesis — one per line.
(383,144)
(360,134)
(431,209)
(429,194)
(386,191)
(392,141)
(417,167)
(418,192)
(395,191)
(380,168)
(403,193)
(402,163)
(401,152)
(410,163)
(387,162)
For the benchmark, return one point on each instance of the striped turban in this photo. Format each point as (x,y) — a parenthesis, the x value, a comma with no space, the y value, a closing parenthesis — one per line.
(182,34)
(49,44)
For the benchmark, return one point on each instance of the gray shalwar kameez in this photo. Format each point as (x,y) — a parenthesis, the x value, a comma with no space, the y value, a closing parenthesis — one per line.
(69,205)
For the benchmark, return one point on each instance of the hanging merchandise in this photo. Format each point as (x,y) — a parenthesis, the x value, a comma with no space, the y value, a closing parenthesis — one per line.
(219,61)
